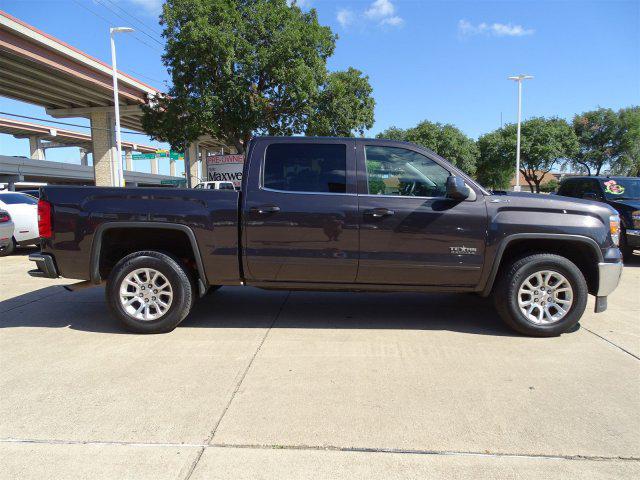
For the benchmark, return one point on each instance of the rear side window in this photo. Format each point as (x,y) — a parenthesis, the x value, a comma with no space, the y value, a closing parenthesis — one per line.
(306,167)
(568,188)
(17,198)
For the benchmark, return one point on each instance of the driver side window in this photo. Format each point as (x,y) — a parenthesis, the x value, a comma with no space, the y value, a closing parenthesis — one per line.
(402,172)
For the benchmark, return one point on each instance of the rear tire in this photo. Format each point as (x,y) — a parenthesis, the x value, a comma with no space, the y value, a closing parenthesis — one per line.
(8,249)
(143,309)
(546,307)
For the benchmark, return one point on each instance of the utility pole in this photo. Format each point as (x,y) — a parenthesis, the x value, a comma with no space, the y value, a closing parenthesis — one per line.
(519,79)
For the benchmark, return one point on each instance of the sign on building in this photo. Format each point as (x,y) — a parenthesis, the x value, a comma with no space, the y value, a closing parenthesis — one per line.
(225,168)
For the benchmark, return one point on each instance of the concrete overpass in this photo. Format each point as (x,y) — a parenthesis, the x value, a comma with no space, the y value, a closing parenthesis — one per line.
(43,137)
(40,69)
(23,169)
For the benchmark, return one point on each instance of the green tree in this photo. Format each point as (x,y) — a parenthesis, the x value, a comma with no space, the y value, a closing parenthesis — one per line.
(246,67)
(629,162)
(599,136)
(495,167)
(342,105)
(444,139)
(550,186)
(544,144)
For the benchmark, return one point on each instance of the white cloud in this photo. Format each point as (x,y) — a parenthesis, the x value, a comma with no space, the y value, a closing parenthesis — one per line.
(394,21)
(383,12)
(466,28)
(380,9)
(344,17)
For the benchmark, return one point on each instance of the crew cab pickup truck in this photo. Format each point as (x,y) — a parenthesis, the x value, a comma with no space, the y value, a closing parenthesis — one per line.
(333,214)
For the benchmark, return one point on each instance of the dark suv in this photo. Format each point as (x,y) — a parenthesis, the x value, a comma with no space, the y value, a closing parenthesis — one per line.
(622,193)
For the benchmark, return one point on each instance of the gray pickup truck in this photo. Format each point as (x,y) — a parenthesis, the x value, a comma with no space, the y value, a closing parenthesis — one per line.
(334,214)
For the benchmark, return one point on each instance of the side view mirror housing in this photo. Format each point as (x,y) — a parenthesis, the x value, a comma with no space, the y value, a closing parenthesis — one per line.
(456,189)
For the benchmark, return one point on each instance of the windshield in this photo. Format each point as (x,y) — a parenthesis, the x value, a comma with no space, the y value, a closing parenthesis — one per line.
(621,188)
(17,198)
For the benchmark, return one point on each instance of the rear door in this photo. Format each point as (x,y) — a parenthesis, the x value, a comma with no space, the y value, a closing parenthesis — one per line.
(300,212)
(410,234)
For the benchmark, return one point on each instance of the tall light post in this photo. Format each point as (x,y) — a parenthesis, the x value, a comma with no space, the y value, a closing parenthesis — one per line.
(118,175)
(519,79)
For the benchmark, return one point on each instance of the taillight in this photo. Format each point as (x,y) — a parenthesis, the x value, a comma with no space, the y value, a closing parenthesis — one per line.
(4,217)
(44,219)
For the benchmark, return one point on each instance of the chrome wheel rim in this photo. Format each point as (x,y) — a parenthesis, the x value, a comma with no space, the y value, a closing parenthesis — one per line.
(545,297)
(146,294)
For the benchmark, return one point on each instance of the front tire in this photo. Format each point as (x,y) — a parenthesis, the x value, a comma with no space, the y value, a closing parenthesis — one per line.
(149,292)
(541,295)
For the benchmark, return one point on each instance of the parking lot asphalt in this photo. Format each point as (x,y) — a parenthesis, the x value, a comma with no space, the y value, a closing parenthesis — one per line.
(264,384)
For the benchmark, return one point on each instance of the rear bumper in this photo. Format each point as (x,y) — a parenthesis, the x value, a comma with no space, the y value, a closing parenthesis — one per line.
(608,277)
(45,266)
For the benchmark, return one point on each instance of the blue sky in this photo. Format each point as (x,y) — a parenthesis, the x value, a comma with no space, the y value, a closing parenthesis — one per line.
(445,61)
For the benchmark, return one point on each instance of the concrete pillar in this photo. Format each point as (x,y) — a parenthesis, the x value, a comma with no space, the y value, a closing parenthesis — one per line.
(84,161)
(193,151)
(172,167)
(203,165)
(36,150)
(128,157)
(154,166)
(105,166)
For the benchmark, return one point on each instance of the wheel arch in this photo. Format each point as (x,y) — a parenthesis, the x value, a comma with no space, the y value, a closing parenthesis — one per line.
(582,250)
(97,245)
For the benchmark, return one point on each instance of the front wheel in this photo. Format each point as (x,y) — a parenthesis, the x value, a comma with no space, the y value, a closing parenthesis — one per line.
(541,295)
(149,292)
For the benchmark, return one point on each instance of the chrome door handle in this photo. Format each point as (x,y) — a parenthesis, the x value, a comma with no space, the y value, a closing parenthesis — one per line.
(379,212)
(265,209)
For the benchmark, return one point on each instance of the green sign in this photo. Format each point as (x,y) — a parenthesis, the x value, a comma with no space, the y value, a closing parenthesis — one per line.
(177,182)
(159,154)
(144,156)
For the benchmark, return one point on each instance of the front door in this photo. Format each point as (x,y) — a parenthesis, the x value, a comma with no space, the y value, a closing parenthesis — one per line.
(410,233)
(301,212)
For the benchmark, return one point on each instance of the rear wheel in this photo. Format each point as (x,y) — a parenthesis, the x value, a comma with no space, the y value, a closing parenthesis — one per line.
(541,295)
(149,292)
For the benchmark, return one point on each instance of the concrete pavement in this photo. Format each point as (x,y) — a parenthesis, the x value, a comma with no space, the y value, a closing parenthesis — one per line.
(258,384)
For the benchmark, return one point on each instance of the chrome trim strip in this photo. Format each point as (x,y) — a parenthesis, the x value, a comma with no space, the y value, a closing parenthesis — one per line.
(633,233)
(303,193)
(608,277)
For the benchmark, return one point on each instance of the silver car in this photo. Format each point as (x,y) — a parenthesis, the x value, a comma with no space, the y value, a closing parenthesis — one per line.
(6,234)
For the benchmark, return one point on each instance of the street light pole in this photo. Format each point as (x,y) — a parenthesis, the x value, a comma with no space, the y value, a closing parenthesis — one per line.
(519,79)
(118,174)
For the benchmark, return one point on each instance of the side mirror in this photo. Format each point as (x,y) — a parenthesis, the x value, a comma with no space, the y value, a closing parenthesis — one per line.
(591,196)
(456,189)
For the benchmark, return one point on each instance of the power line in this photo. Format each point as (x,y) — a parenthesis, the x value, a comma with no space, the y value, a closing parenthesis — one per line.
(110,23)
(144,24)
(127,20)
(69,124)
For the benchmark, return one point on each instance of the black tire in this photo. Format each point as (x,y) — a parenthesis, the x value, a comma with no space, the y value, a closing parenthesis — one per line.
(178,279)
(505,294)
(8,249)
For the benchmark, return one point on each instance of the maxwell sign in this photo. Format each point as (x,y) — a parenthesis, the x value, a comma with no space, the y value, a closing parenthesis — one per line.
(225,168)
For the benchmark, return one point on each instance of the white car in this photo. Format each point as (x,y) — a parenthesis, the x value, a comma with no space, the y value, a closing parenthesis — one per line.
(6,234)
(216,186)
(23,210)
